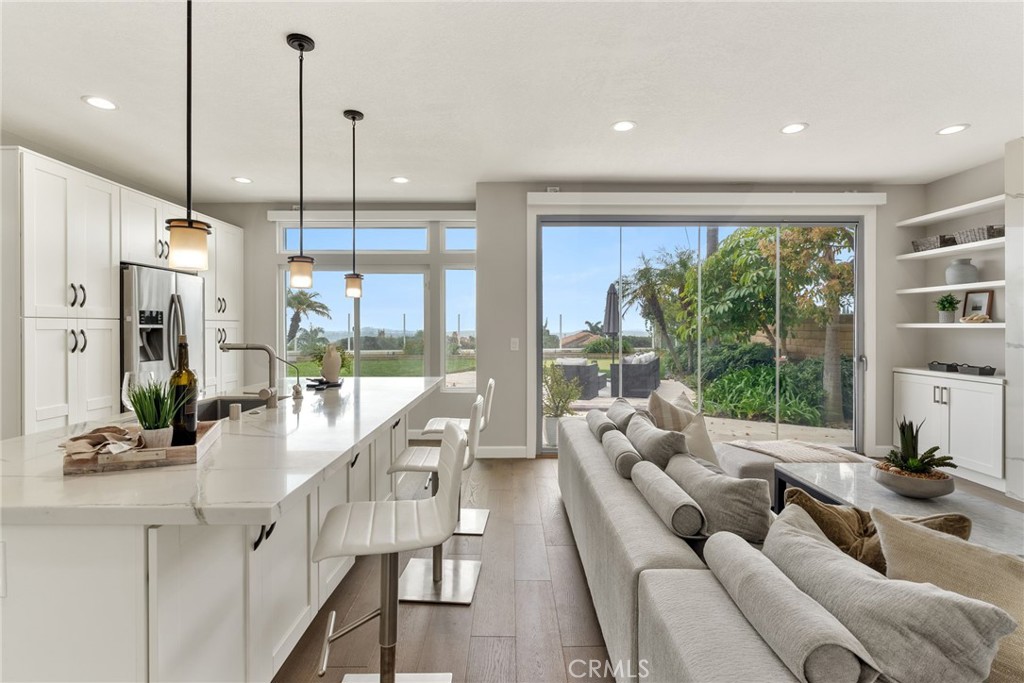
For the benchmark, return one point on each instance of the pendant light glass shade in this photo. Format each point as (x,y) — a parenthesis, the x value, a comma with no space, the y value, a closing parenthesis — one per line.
(353,285)
(188,250)
(300,272)
(187,247)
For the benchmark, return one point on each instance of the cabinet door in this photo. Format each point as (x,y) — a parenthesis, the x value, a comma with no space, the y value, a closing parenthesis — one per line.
(330,572)
(359,484)
(284,594)
(230,278)
(142,239)
(45,254)
(380,449)
(916,397)
(51,379)
(99,369)
(210,296)
(976,426)
(231,363)
(211,357)
(96,247)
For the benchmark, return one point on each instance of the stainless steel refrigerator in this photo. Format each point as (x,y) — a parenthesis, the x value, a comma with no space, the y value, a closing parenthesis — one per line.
(157,305)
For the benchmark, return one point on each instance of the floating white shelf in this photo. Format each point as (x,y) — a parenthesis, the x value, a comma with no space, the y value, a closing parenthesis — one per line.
(951,326)
(969,209)
(989,284)
(955,250)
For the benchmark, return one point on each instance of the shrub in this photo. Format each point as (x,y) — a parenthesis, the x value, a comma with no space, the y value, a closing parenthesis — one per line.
(608,345)
(718,360)
(559,391)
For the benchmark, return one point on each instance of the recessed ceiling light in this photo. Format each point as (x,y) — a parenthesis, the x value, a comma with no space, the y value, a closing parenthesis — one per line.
(99,102)
(955,128)
(793,128)
(623,126)
(240,179)
(400,179)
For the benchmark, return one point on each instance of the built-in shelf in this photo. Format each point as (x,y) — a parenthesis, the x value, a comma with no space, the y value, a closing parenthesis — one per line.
(936,289)
(951,326)
(955,250)
(968,209)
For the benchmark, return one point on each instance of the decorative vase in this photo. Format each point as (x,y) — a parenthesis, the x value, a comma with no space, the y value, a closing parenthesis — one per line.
(961,272)
(913,487)
(551,431)
(947,316)
(331,368)
(157,438)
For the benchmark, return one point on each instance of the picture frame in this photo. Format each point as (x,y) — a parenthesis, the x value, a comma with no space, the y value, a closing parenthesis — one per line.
(978,301)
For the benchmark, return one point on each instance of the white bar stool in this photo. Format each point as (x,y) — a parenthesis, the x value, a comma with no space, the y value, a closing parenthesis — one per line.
(386,529)
(438,580)
(472,521)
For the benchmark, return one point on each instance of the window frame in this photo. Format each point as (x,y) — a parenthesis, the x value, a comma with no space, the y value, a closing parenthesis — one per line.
(443,331)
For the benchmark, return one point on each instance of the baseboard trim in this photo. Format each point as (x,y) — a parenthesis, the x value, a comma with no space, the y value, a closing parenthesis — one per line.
(501,452)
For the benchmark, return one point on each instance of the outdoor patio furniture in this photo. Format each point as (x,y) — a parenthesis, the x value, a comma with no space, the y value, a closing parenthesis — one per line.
(638,379)
(586,374)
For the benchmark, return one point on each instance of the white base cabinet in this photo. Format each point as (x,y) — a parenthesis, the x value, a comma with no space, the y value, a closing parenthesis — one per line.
(963,417)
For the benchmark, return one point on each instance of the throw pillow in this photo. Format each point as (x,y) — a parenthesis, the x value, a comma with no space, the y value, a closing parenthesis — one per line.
(916,632)
(742,506)
(621,452)
(678,418)
(853,532)
(621,412)
(599,423)
(656,445)
(805,636)
(926,556)
(677,510)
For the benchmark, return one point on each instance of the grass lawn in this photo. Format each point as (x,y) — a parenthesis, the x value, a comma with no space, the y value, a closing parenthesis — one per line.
(395,366)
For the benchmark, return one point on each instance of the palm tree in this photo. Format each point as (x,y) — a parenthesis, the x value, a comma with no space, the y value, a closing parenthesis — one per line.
(312,339)
(594,328)
(303,303)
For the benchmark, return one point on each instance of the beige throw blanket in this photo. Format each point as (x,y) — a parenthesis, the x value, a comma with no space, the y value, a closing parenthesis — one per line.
(789,450)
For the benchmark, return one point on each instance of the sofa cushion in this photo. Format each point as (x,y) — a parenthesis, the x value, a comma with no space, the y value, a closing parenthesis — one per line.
(620,452)
(621,412)
(916,633)
(917,553)
(570,361)
(653,444)
(680,418)
(804,635)
(853,532)
(741,506)
(677,509)
(690,631)
(599,423)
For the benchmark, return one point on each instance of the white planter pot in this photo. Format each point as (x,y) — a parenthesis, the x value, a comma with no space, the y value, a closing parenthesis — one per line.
(551,431)
(947,316)
(157,438)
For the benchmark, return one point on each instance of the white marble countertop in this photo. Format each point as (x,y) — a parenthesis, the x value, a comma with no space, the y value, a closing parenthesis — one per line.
(260,464)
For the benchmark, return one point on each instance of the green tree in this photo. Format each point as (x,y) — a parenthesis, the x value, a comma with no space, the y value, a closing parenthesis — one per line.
(657,287)
(594,328)
(311,340)
(303,303)
(548,340)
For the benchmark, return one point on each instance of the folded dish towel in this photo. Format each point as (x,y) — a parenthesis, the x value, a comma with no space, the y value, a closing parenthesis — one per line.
(101,440)
(788,450)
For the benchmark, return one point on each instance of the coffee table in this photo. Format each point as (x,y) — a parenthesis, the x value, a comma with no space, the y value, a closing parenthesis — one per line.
(992,525)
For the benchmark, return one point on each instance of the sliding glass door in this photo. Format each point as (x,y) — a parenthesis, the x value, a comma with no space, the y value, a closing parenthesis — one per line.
(755,323)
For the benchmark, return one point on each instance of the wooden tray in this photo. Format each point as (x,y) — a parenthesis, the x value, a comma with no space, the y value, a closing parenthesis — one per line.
(206,434)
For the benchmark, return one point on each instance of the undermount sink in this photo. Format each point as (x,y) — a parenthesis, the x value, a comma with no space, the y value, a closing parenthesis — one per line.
(218,408)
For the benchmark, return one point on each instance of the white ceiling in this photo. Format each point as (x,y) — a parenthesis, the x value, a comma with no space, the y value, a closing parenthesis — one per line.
(456,93)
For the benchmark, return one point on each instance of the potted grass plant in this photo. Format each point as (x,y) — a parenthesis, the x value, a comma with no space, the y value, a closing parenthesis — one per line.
(560,393)
(154,406)
(947,304)
(911,473)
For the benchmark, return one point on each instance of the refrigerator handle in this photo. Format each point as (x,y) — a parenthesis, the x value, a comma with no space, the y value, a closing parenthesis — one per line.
(177,327)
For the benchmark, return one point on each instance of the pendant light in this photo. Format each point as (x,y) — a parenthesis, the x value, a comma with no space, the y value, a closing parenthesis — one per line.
(300,268)
(188,249)
(353,280)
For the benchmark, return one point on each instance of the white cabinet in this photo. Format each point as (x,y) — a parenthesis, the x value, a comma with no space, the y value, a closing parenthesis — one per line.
(359,475)
(222,370)
(71,371)
(963,417)
(70,242)
(333,491)
(143,238)
(282,587)
(226,302)
(211,357)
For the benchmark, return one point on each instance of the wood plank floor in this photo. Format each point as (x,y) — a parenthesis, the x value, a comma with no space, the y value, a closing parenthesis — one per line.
(532,615)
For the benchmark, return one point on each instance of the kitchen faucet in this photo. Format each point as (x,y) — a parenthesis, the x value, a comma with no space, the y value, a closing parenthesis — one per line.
(269,394)
(297,389)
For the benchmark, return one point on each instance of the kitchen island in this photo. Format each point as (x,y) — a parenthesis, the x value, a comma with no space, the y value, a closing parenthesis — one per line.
(196,572)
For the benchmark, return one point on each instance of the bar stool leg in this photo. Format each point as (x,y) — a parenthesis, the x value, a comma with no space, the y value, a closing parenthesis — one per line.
(388,616)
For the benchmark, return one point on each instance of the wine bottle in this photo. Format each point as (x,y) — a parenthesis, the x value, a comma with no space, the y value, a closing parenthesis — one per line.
(185,386)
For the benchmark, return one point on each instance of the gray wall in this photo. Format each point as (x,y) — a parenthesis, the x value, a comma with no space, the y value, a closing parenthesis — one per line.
(1014,186)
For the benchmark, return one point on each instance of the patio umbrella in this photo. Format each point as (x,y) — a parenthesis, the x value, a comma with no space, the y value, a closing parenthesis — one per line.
(611,315)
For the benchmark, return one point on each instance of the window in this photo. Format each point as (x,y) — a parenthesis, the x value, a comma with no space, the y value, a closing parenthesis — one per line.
(460,329)
(327,239)
(460,239)
(391,325)
(316,317)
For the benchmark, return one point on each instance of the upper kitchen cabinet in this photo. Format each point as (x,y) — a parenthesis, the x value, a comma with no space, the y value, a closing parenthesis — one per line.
(224,280)
(143,238)
(70,240)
